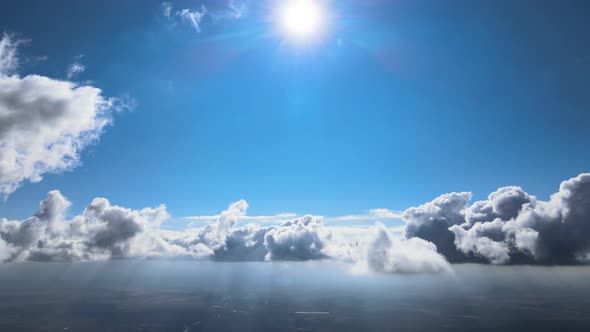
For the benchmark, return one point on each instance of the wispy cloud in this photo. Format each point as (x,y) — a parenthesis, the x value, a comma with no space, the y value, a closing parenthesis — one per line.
(233,10)
(193,17)
(76,68)
(371,216)
(218,11)
(357,232)
(166,9)
(9,60)
(275,218)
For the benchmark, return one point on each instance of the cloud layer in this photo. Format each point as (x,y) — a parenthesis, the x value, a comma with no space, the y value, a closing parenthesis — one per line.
(44,123)
(510,227)
(105,231)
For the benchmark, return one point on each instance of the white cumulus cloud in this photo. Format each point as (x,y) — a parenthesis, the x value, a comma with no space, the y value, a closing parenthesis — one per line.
(44,123)
(381,252)
(106,231)
(510,227)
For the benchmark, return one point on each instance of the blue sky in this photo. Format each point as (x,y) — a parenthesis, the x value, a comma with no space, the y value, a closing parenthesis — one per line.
(396,103)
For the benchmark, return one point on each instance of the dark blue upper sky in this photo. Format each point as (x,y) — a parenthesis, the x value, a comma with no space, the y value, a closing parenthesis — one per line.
(396,103)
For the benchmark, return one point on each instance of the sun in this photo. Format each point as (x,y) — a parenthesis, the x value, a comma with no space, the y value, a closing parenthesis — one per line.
(301,19)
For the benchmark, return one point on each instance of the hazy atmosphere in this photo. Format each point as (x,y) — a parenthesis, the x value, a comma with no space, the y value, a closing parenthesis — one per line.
(294,165)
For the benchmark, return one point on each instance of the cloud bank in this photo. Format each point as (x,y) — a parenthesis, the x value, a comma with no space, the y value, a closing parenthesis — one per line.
(44,123)
(510,227)
(105,231)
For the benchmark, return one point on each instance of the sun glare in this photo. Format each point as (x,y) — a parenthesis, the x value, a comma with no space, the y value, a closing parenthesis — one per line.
(301,19)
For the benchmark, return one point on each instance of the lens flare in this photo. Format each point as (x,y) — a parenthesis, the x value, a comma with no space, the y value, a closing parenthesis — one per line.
(301,19)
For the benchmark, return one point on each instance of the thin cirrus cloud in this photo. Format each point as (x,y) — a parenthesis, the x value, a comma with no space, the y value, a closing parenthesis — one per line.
(276,218)
(214,11)
(166,9)
(76,68)
(193,17)
(372,215)
(9,60)
(45,123)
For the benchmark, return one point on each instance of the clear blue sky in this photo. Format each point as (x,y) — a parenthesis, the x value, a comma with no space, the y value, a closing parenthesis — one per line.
(399,102)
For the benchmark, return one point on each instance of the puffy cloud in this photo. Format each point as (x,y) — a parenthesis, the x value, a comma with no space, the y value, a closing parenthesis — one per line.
(510,227)
(213,236)
(431,222)
(505,203)
(382,253)
(479,240)
(102,231)
(300,239)
(556,231)
(44,123)
(6,250)
(243,244)
(105,231)
(229,218)
(303,238)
